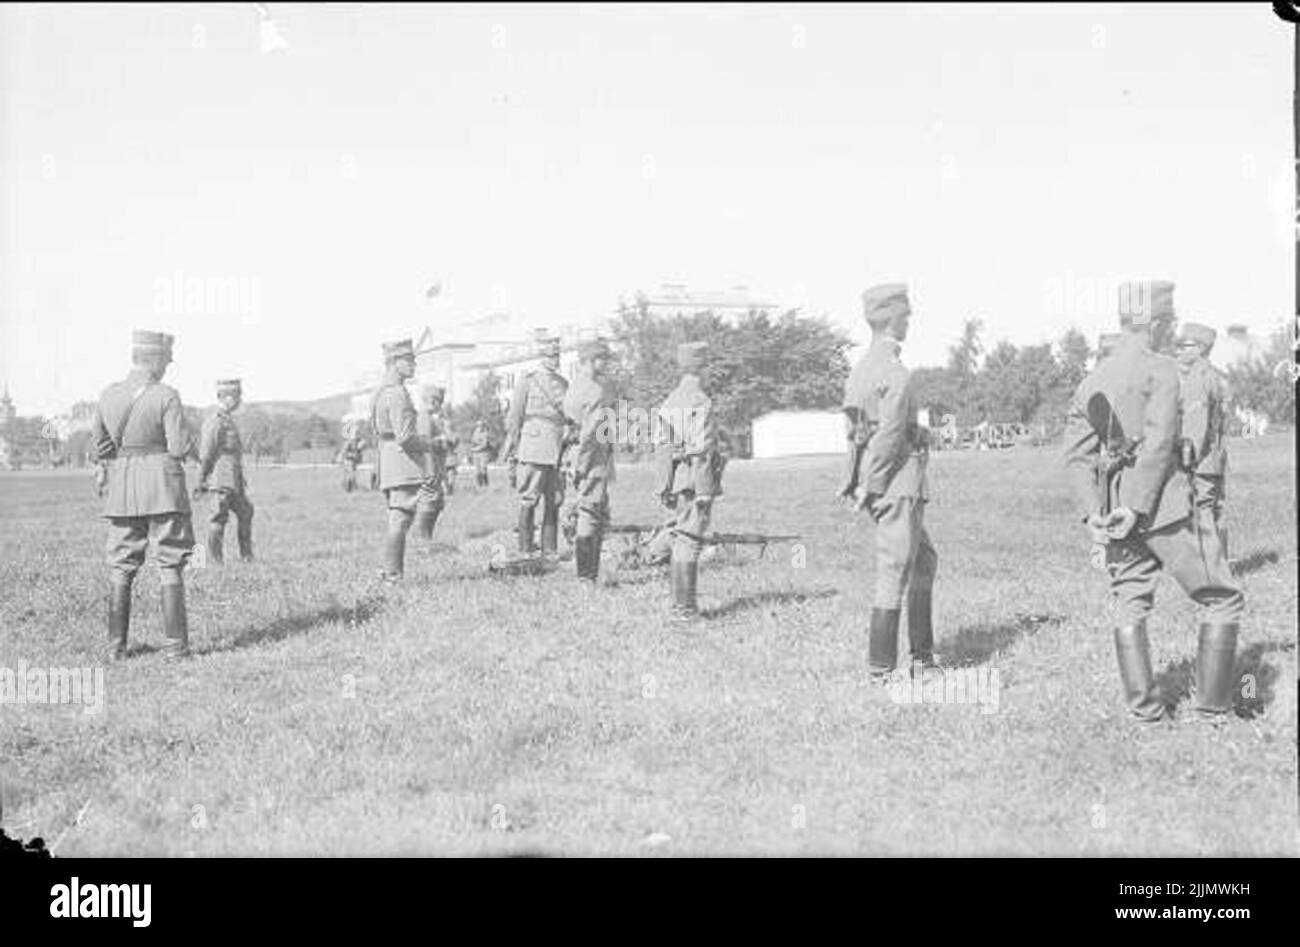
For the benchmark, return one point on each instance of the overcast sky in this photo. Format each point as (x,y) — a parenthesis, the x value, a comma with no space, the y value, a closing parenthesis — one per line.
(1008,162)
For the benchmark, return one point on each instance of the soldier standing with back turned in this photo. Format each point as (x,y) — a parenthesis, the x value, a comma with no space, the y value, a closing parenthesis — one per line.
(221,473)
(401,456)
(587,404)
(139,426)
(888,455)
(534,438)
(1122,455)
(1204,396)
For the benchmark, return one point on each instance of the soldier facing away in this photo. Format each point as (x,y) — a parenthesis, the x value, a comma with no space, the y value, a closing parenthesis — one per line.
(480,446)
(692,473)
(139,426)
(1203,394)
(586,405)
(433,430)
(534,438)
(888,456)
(221,474)
(401,456)
(1135,498)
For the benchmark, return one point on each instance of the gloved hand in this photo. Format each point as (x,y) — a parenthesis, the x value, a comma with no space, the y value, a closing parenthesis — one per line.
(1120,523)
(1097,529)
(868,503)
(668,499)
(199,491)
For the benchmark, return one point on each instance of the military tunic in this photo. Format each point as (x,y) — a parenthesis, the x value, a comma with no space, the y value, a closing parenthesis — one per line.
(536,429)
(688,435)
(432,428)
(139,426)
(401,452)
(221,470)
(587,405)
(481,450)
(1203,394)
(880,398)
(1142,388)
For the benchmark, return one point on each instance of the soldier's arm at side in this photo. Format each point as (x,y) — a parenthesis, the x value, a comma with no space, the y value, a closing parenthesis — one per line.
(1156,454)
(1196,413)
(515,418)
(402,417)
(178,441)
(207,447)
(1081,454)
(888,448)
(99,436)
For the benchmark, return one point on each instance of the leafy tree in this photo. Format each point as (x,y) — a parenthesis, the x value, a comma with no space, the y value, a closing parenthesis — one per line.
(484,405)
(1266,383)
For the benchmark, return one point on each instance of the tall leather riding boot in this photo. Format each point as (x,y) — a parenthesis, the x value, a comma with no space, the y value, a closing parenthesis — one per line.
(682,576)
(882,645)
(119,618)
(1134,654)
(582,557)
(175,623)
(425,521)
(394,552)
(596,542)
(1216,657)
(525,529)
(550,531)
(216,544)
(244,531)
(920,629)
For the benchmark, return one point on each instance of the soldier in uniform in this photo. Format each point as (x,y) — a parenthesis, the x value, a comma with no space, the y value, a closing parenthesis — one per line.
(139,427)
(535,430)
(888,456)
(1141,507)
(587,404)
(221,473)
(1203,393)
(349,456)
(481,450)
(692,472)
(401,458)
(432,427)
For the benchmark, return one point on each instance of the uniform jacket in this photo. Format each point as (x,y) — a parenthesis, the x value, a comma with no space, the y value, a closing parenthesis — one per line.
(1142,388)
(1203,395)
(481,443)
(433,429)
(147,474)
(586,405)
(352,452)
(880,394)
(536,420)
(688,435)
(221,453)
(401,451)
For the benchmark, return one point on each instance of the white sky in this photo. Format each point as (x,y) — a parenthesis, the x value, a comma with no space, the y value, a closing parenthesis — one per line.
(1008,162)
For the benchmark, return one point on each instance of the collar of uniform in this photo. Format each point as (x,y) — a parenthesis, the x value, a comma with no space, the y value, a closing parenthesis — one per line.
(887,343)
(137,375)
(392,378)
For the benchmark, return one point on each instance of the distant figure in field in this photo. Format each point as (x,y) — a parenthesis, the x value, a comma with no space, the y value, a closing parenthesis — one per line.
(480,446)
(401,458)
(221,474)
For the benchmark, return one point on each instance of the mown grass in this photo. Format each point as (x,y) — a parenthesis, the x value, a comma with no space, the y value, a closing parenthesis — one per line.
(469,714)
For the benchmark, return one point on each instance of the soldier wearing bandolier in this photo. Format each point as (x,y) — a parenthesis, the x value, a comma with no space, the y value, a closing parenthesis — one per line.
(433,430)
(587,405)
(221,474)
(1135,498)
(535,429)
(480,446)
(1204,397)
(139,426)
(692,472)
(402,451)
(888,455)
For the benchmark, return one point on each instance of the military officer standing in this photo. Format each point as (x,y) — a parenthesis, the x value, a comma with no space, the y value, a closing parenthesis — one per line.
(692,472)
(888,456)
(139,426)
(1203,394)
(401,457)
(221,473)
(433,430)
(349,456)
(1124,425)
(535,430)
(587,405)
(480,446)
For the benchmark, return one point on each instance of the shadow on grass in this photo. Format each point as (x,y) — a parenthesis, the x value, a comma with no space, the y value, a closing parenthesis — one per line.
(975,644)
(1254,561)
(290,625)
(1256,679)
(749,602)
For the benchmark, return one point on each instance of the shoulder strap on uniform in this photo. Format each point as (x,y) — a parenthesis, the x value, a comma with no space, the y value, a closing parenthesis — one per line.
(126,415)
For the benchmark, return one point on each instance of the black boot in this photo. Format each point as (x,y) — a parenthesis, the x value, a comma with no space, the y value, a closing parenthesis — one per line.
(682,574)
(425,521)
(1134,654)
(550,531)
(244,532)
(394,553)
(119,618)
(882,646)
(216,544)
(175,623)
(920,629)
(525,529)
(1216,657)
(582,557)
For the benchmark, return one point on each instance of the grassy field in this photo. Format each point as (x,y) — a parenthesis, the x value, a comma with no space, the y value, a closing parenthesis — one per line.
(466,714)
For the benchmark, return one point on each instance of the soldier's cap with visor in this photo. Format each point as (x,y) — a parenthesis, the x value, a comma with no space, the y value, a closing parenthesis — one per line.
(1145,303)
(148,342)
(880,304)
(593,349)
(1196,332)
(229,386)
(691,355)
(402,348)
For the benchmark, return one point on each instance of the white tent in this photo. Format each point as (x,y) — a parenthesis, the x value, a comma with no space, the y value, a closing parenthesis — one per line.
(786,433)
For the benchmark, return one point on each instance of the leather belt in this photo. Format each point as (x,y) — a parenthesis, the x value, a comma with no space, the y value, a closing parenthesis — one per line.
(140,451)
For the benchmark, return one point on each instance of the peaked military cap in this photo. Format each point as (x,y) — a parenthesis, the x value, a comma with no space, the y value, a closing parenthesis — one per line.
(882,303)
(148,342)
(402,348)
(1143,303)
(593,349)
(229,386)
(1195,332)
(691,355)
